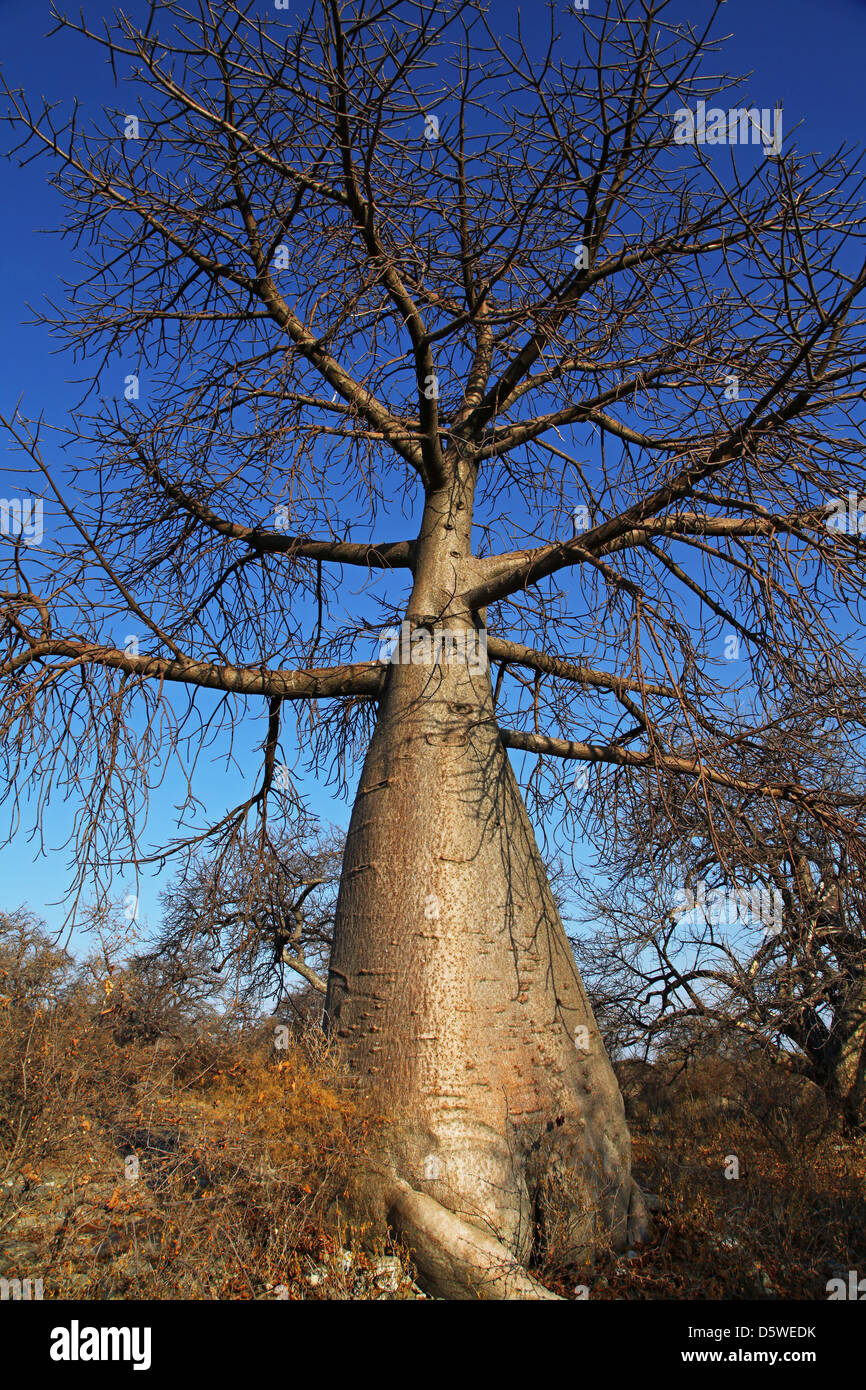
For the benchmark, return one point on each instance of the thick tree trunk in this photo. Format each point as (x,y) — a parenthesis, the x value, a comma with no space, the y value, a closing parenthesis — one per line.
(836,1053)
(454,991)
(847,1069)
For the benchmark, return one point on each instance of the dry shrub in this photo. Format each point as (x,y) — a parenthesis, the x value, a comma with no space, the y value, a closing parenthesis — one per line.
(204,1162)
(199,1164)
(793,1217)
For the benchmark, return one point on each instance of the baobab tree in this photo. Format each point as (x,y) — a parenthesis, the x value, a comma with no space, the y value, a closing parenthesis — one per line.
(384,266)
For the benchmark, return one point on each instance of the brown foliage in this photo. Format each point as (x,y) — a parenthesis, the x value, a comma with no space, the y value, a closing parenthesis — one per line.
(198,1164)
(241,1149)
(793,1218)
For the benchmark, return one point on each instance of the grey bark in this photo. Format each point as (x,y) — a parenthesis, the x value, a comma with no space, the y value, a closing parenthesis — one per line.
(455,993)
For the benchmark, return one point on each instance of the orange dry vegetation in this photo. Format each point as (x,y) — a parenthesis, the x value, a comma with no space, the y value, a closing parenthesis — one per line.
(198,1161)
(196,1168)
(793,1218)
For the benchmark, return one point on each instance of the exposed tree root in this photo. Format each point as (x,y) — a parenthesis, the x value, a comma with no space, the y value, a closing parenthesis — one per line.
(454,1258)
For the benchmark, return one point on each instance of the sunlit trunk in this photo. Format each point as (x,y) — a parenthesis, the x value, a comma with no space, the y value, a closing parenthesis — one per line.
(455,994)
(847,1081)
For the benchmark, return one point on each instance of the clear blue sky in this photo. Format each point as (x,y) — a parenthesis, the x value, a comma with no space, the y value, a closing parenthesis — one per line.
(808,55)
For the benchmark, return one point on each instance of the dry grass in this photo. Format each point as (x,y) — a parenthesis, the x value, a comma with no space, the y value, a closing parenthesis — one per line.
(203,1163)
(212,1184)
(197,1166)
(793,1218)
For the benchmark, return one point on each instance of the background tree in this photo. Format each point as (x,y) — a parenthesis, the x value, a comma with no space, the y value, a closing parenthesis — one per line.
(744,928)
(259,917)
(383,266)
(165,995)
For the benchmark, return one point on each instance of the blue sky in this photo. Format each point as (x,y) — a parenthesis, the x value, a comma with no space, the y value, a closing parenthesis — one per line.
(807,55)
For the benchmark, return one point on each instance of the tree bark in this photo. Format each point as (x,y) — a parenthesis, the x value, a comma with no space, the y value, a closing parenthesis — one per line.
(455,993)
(847,1069)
